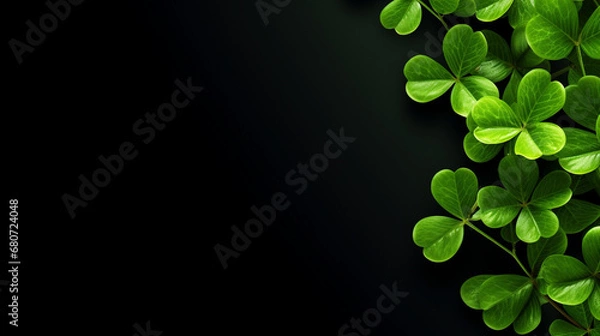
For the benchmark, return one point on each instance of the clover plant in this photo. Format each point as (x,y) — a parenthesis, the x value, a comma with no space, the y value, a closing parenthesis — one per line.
(515,94)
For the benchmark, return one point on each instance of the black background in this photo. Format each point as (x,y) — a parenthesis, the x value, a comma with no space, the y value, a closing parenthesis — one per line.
(142,250)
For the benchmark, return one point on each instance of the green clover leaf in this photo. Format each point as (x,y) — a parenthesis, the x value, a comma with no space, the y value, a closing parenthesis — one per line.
(582,315)
(404,16)
(523,54)
(521,12)
(492,10)
(581,154)
(505,300)
(584,183)
(510,92)
(466,8)
(444,6)
(582,102)
(590,35)
(545,247)
(464,50)
(553,32)
(531,204)
(475,150)
(577,215)
(537,99)
(572,282)
(442,236)
(469,291)
(498,63)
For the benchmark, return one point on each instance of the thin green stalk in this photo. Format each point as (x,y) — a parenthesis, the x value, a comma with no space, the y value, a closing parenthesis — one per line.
(562,71)
(511,253)
(562,312)
(580,57)
(434,14)
(596,2)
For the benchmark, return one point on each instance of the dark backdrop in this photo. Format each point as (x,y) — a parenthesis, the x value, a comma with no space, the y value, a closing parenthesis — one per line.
(143,248)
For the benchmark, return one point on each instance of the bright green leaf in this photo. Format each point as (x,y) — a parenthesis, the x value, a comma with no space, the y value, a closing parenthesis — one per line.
(469,291)
(479,152)
(590,35)
(497,122)
(444,6)
(553,190)
(439,236)
(591,249)
(498,63)
(540,97)
(468,91)
(404,16)
(427,79)
(553,32)
(493,11)
(594,302)
(521,12)
(464,49)
(456,191)
(498,206)
(568,280)
(540,139)
(534,223)
(581,154)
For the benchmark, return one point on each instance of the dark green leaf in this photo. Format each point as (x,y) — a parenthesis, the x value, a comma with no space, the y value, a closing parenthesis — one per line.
(503,298)
(498,63)
(581,154)
(583,101)
(519,176)
(577,215)
(539,251)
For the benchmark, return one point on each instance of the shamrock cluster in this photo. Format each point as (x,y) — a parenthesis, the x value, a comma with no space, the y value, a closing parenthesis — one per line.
(511,90)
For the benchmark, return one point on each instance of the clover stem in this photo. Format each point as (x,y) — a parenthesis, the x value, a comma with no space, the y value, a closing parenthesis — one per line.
(596,2)
(512,254)
(434,14)
(562,312)
(473,209)
(562,71)
(580,57)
